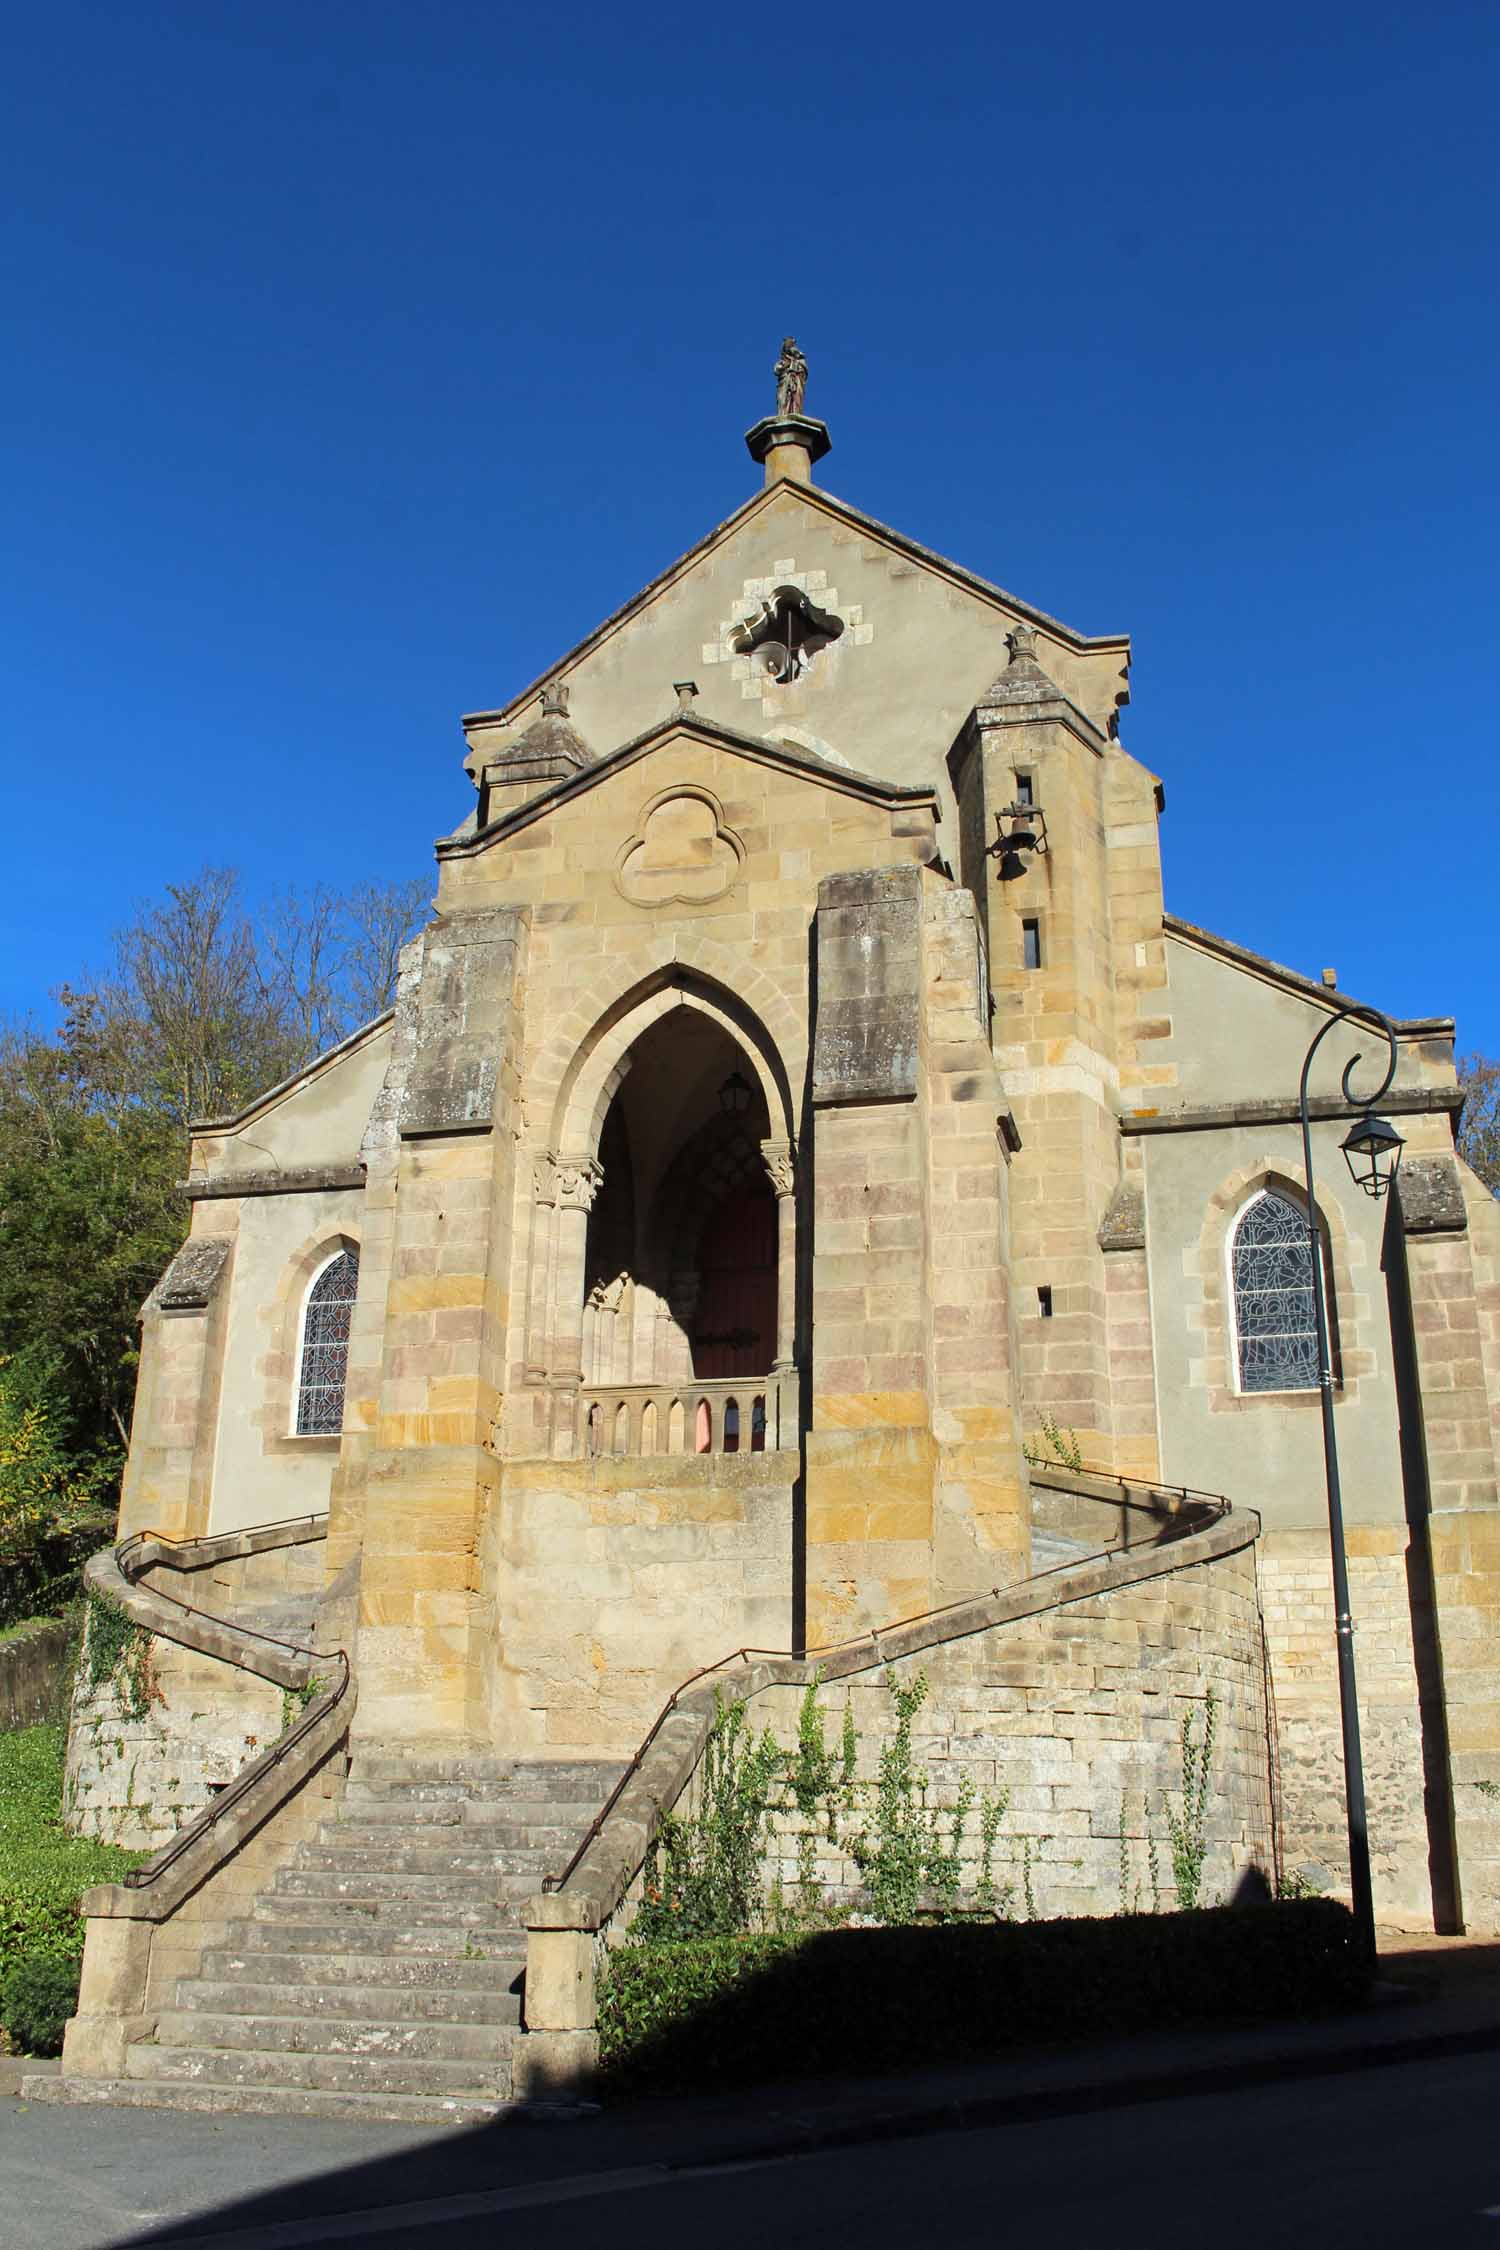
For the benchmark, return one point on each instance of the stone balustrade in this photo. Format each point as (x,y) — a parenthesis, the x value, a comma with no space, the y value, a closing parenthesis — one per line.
(739,1414)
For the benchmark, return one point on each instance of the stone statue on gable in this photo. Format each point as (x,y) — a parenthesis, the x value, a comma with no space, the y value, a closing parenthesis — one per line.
(791,379)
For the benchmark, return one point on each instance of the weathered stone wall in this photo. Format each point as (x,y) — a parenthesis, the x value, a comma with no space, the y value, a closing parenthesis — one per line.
(1076,1032)
(135,1779)
(1455,1286)
(1297,1594)
(616,1578)
(32,1688)
(1077,1713)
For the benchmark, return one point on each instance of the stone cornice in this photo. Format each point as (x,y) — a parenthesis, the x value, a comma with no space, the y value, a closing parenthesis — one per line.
(869,788)
(1219,1117)
(301,1179)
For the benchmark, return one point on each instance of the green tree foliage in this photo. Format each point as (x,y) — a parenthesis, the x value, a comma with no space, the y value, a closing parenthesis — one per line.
(200,1006)
(51,1513)
(1479,1133)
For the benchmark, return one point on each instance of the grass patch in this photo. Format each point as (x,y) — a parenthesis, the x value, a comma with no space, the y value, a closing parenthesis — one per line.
(735,2011)
(24,1625)
(43,1870)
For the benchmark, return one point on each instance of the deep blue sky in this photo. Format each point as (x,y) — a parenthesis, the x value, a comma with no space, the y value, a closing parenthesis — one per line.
(361,358)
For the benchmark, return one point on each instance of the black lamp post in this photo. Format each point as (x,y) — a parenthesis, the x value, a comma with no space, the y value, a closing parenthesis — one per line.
(1372,1149)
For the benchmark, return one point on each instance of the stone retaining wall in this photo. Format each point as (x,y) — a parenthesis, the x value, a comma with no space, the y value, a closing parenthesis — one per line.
(32,1688)
(1076,1715)
(134,1779)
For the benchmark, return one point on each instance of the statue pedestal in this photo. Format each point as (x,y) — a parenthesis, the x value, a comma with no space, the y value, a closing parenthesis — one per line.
(788,444)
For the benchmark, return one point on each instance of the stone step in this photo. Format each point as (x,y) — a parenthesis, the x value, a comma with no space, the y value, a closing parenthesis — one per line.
(319,2073)
(465,1810)
(329,1928)
(560,1838)
(482,2047)
(312,1972)
(370,1886)
(481,1771)
(210,2098)
(200,1998)
(403,1859)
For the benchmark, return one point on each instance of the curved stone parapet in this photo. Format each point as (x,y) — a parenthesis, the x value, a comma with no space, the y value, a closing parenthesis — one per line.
(121,1982)
(1161,1531)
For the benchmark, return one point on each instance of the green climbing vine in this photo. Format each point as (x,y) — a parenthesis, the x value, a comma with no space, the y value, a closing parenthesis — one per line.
(702,1873)
(1188,1827)
(295,1700)
(1055,1447)
(910,1847)
(117,1653)
(702,1876)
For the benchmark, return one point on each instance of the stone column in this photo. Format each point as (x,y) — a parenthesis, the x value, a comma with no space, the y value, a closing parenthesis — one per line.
(578,1182)
(781,1169)
(539,1297)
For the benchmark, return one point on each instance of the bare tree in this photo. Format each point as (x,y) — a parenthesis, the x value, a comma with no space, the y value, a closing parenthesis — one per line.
(302,947)
(206,1025)
(1479,1133)
(379,919)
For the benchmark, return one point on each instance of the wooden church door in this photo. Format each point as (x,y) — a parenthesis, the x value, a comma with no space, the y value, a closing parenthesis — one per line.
(735,1329)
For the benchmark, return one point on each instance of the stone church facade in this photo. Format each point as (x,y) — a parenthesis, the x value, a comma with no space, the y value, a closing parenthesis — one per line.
(804,1165)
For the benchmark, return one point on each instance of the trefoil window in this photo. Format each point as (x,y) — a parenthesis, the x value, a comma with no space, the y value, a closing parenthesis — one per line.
(324,1359)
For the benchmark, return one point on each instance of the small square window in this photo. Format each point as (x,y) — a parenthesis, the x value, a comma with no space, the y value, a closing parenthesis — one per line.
(1044,1301)
(1031,942)
(1023,789)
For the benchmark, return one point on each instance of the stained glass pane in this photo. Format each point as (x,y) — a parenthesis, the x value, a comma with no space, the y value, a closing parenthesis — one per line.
(325,1348)
(1273,1298)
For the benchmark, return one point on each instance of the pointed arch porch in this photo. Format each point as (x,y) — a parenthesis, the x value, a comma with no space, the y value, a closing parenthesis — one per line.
(573,1092)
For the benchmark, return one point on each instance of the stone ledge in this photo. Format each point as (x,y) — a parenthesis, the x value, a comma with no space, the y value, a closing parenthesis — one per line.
(1418,1101)
(304,1179)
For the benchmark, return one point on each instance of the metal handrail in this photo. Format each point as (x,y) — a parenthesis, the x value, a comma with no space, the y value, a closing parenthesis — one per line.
(1214,1506)
(244,1781)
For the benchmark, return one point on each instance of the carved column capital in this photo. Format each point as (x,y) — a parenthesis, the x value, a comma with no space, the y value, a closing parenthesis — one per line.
(578,1181)
(543,1176)
(780,1162)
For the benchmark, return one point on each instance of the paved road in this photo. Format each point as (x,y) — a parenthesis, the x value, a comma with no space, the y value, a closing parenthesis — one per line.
(1407,2155)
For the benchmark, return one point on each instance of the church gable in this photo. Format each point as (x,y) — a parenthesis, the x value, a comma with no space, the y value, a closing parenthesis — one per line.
(1240,1025)
(802,620)
(694,820)
(313,1122)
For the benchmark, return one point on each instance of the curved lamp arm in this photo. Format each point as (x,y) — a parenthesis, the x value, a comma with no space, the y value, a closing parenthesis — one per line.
(1345,1011)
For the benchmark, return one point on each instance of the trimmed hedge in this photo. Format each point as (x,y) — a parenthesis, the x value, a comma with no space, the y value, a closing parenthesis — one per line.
(731,2011)
(38,1996)
(43,1870)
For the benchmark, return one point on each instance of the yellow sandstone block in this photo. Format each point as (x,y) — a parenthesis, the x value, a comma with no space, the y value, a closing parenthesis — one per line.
(859,1410)
(435,1292)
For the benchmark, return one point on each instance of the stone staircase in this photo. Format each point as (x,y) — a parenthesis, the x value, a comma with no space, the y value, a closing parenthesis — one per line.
(379,1976)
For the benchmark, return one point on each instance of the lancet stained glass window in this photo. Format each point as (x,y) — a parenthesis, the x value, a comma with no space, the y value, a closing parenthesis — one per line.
(325,1347)
(1273,1298)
